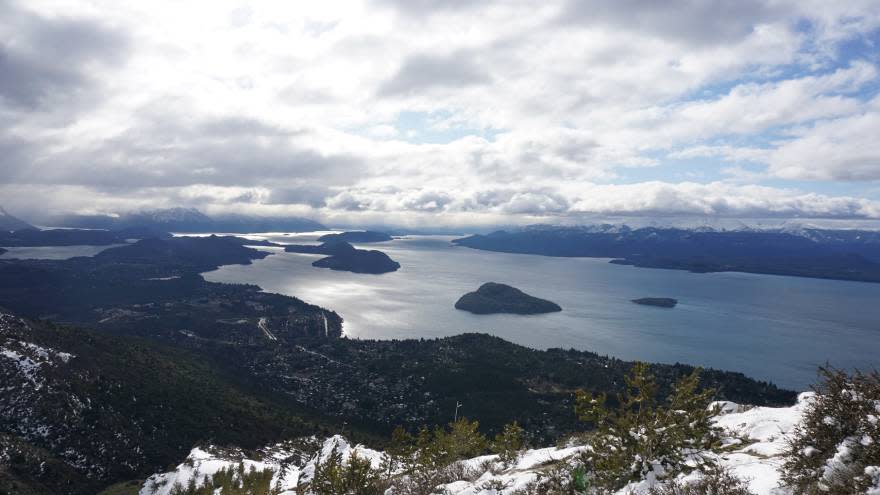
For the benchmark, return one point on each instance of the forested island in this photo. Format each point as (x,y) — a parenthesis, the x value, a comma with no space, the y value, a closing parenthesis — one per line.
(493,298)
(362,236)
(343,256)
(660,302)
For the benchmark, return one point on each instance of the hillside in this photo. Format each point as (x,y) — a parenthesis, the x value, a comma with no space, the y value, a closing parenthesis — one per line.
(10,223)
(832,254)
(755,438)
(84,399)
(100,409)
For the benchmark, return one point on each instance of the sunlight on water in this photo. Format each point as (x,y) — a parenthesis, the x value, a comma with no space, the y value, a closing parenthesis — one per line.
(770,327)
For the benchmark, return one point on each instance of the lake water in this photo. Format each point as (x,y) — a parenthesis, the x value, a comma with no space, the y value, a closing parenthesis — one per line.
(769,327)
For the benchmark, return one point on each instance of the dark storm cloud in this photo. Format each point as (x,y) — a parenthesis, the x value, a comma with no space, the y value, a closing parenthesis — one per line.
(424,72)
(45,59)
(692,21)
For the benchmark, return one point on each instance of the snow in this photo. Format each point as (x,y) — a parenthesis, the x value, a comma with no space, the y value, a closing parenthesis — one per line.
(29,358)
(760,433)
(210,460)
(27,367)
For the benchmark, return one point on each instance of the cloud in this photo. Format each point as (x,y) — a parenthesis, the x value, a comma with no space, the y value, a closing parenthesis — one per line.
(840,149)
(46,59)
(711,21)
(524,112)
(722,200)
(423,72)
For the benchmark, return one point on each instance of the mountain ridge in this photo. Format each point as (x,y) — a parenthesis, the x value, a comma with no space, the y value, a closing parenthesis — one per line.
(192,220)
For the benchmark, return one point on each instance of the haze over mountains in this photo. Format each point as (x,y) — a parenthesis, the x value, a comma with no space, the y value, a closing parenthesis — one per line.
(9,222)
(189,220)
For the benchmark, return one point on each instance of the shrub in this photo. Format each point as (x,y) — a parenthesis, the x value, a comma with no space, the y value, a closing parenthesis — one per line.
(835,450)
(562,479)
(431,459)
(335,477)
(508,443)
(234,480)
(715,482)
(642,439)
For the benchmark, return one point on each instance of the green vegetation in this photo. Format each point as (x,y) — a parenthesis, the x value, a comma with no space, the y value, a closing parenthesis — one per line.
(836,447)
(236,480)
(493,298)
(818,253)
(509,443)
(715,481)
(129,407)
(343,256)
(642,438)
(332,476)
(660,302)
(357,236)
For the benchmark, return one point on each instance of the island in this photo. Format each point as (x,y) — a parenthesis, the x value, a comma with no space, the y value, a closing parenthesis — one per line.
(493,298)
(660,302)
(357,236)
(343,256)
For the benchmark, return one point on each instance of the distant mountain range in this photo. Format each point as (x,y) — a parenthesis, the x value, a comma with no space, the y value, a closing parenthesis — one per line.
(189,220)
(805,252)
(10,223)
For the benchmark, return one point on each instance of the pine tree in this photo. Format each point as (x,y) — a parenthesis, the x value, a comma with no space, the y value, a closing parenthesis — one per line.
(509,442)
(835,450)
(642,439)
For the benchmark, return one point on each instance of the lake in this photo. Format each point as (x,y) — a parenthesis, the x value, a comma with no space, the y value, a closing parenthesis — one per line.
(769,327)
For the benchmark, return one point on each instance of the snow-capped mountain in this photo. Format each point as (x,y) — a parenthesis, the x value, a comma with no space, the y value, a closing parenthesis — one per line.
(190,220)
(9,222)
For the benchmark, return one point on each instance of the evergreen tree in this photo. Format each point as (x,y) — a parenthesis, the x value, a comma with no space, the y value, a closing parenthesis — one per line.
(835,450)
(333,476)
(509,442)
(642,439)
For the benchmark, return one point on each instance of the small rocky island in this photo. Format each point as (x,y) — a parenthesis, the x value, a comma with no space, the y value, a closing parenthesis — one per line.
(493,298)
(343,256)
(357,236)
(660,302)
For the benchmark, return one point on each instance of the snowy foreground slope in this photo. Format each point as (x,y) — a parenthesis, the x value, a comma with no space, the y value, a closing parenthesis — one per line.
(755,439)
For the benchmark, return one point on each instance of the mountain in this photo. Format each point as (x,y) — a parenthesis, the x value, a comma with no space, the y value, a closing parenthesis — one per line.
(834,254)
(754,439)
(80,410)
(101,409)
(191,220)
(10,223)
(71,237)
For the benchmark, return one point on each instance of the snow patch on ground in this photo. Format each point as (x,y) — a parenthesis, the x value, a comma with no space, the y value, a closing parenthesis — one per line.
(760,433)
(290,464)
(26,357)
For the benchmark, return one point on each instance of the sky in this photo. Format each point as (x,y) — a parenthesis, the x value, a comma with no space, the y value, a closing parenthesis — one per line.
(449,112)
